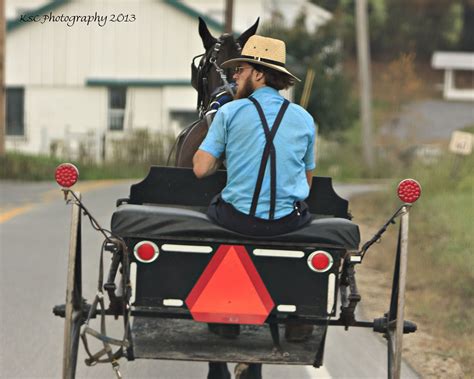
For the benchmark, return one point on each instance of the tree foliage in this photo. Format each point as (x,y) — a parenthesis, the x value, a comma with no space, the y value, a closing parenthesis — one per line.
(330,101)
(406,26)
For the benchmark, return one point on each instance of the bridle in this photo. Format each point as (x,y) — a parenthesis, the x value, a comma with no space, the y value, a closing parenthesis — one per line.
(199,75)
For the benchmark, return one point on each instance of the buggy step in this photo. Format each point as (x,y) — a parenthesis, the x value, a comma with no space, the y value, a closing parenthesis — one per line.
(178,339)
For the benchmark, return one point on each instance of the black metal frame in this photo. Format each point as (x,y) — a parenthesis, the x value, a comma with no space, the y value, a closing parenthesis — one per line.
(153,189)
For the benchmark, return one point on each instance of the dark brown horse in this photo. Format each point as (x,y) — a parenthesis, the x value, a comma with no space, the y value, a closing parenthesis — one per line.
(213,84)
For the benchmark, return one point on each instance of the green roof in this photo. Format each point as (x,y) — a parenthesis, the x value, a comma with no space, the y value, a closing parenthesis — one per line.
(177,4)
(193,13)
(138,82)
(13,24)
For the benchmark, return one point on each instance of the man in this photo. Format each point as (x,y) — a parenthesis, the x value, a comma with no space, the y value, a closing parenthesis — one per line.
(269,149)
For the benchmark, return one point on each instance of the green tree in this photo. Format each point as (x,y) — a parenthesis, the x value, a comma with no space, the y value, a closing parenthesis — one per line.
(330,101)
(421,26)
(406,26)
(466,41)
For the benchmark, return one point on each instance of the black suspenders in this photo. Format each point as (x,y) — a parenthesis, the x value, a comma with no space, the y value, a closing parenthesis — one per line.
(268,152)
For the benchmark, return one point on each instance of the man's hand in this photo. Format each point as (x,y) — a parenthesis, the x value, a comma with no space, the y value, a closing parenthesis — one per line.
(204,164)
(309,178)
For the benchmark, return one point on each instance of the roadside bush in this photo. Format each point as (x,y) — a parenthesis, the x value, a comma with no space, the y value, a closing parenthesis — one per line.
(129,158)
(141,147)
(19,166)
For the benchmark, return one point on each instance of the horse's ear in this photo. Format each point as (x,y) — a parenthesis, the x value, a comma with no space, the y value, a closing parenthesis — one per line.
(207,39)
(248,33)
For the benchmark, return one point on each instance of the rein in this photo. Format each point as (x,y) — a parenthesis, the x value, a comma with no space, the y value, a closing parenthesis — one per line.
(220,71)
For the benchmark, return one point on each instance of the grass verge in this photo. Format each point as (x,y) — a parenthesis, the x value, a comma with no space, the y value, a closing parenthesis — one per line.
(16,166)
(440,289)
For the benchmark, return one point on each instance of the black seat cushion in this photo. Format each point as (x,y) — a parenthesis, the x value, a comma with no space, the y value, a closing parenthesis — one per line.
(164,222)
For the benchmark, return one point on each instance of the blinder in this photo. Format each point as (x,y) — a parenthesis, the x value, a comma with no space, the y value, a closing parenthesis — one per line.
(195,71)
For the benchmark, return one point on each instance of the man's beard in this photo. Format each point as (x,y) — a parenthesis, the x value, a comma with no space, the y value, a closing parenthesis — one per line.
(245,90)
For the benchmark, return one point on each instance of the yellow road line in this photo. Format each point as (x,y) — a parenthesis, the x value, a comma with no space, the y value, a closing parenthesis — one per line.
(82,187)
(15,212)
(54,194)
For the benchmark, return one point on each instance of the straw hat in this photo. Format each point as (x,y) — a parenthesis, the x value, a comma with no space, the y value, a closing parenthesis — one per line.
(264,51)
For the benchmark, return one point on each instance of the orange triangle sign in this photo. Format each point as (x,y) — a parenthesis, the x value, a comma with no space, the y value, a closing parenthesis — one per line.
(230,290)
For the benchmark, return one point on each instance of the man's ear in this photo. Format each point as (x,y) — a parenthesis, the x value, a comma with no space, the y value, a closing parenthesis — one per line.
(260,76)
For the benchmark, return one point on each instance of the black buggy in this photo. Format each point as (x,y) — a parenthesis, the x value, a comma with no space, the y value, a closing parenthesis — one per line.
(173,273)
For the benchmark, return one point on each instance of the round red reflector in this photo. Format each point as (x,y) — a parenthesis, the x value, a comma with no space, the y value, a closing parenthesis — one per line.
(320,261)
(146,251)
(66,175)
(409,190)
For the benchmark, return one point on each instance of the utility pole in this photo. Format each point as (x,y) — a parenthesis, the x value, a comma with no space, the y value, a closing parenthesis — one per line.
(365,83)
(2,78)
(229,14)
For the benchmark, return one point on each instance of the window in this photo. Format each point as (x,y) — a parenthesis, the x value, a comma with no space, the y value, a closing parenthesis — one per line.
(183,118)
(117,101)
(15,108)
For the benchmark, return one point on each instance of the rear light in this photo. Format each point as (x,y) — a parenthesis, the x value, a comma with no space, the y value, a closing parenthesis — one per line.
(320,261)
(146,251)
(66,175)
(409,190)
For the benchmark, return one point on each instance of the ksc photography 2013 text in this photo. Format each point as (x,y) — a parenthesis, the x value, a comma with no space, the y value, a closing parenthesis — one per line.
(71,20)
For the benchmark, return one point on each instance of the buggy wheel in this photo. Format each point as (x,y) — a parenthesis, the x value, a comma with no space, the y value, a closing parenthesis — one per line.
(74,304)
(395,317)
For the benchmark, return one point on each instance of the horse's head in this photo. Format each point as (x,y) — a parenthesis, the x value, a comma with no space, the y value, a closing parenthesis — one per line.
(208,75)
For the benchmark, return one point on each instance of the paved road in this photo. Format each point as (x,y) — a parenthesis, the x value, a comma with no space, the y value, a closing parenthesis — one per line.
(34,225)
(430,121)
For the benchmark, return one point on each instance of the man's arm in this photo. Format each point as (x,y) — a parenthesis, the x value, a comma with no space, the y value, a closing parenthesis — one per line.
(309,177)
(204,164)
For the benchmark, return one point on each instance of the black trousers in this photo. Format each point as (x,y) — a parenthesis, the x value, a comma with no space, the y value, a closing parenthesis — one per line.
(224,214)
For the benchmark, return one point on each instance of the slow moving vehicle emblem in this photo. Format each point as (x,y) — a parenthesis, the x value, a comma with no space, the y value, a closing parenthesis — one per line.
(230,290)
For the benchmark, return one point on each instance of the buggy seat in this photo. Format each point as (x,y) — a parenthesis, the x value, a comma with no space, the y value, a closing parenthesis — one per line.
(151,221)
(170,203)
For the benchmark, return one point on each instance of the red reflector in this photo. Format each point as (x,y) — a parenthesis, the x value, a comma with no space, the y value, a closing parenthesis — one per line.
(66,175)
(320,261)
(146,251)
(230,290)
(409,190)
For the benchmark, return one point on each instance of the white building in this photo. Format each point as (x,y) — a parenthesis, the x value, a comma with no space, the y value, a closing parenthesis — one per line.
(126,68)
(103,78)
(451,62)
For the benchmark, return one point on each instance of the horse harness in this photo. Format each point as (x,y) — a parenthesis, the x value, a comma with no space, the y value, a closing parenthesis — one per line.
(199,75)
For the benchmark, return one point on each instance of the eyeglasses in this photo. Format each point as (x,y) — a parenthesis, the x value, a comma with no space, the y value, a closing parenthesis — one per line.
(238,70)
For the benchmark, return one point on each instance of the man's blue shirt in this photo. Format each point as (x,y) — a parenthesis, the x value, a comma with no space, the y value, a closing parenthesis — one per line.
(237,130)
